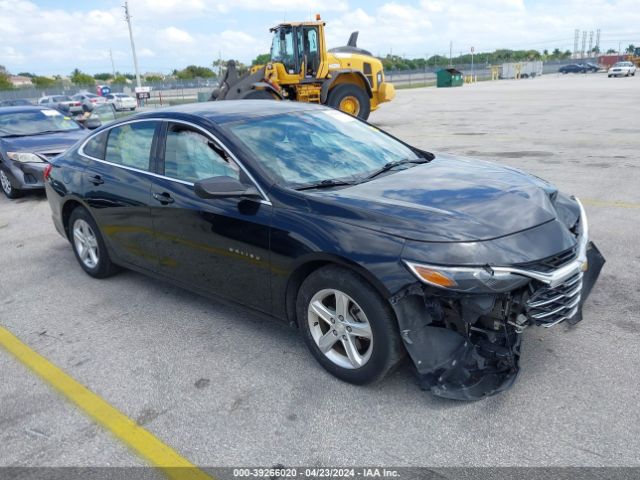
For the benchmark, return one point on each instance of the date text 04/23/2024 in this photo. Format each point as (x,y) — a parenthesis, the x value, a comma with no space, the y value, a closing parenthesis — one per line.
(274,473)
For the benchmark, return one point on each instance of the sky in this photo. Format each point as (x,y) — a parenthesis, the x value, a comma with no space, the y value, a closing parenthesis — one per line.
(50,37)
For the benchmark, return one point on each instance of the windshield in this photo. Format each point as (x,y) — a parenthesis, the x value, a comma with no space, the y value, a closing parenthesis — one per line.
(35,122)
(303,148)
(61,99)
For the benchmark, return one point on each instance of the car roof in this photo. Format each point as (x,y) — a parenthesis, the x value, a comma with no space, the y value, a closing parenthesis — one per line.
(231,110)
(23,108)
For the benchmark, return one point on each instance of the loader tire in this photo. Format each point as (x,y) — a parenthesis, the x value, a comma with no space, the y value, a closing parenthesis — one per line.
(259,95)
(350,99)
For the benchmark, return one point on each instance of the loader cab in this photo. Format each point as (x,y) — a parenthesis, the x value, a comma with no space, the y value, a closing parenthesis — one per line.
(299,48)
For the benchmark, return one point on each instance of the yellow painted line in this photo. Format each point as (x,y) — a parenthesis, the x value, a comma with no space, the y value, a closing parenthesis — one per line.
(154,451)
(606,203)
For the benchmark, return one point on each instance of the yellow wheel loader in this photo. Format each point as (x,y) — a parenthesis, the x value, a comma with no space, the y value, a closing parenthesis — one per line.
(302,69)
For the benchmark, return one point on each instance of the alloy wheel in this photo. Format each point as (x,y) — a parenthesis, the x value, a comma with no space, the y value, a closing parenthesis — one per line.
(6,184)
(86,243)
(340,328)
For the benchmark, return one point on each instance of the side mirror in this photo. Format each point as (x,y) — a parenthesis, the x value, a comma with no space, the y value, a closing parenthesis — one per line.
(224,187)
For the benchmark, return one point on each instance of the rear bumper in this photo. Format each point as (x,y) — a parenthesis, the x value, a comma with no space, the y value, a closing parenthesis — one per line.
(53,198)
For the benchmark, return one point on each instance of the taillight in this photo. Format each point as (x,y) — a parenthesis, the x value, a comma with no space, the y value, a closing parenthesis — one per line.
(47,171)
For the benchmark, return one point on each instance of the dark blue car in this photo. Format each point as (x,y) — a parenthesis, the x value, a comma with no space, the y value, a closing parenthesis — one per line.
(29,137)
(373,248)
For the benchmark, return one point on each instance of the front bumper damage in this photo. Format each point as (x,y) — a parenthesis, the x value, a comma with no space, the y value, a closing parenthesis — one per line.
(467,347)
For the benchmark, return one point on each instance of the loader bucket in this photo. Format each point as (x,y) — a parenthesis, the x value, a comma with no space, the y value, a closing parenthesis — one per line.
(233,87)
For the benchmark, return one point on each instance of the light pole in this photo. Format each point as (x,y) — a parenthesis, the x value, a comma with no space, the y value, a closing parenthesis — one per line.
(113,65)
(133,45)
(472,50)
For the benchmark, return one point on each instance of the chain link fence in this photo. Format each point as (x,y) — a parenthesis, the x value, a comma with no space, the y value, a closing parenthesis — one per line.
(176,92)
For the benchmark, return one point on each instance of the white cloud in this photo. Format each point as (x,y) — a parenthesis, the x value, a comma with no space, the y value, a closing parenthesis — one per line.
(173,35)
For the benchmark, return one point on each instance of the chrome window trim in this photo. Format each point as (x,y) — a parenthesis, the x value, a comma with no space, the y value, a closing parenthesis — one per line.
(265,198)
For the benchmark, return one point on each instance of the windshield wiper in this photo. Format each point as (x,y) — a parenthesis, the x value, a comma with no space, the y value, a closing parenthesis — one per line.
(388,166)
(325,184)
(12,135)
(46,132)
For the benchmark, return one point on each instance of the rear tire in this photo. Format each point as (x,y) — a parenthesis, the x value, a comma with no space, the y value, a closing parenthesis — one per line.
(259,95)
(9,190)
(350,99)
(88,245)
(359,334)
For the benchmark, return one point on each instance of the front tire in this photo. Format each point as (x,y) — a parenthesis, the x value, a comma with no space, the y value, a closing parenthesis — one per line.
(350,99)
(9,190)
(88,245)
(348,327)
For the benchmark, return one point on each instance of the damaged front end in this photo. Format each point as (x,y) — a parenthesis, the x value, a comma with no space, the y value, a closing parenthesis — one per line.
(462,326)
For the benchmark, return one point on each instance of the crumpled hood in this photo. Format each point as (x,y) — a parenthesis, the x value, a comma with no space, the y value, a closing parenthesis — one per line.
(51,142)
(450,199)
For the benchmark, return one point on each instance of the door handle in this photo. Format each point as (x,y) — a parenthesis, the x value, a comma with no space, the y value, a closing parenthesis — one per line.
(164,198)
(96,179)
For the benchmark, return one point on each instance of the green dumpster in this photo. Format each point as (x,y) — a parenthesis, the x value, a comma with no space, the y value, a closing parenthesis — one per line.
(449,77)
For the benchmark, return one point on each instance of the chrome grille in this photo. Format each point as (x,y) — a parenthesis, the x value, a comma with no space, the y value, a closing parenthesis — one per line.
(551,263)
(550,306)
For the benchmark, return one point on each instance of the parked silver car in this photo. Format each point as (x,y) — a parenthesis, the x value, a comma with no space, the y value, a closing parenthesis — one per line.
(61,102)
(88,100)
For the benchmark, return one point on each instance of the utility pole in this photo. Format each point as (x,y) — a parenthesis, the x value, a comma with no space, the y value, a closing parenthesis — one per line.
(450,52)
(575,43)
(133,45)
(113,65)
(598,41)
(590,43)
(584,43)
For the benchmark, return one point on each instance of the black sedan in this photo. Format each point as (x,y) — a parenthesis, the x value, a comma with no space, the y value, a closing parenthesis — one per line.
(573,68)
(29,137)
(371,247)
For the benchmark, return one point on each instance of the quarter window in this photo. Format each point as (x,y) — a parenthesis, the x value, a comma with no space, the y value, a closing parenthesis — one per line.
(96,146)
(191,156)
(130,144)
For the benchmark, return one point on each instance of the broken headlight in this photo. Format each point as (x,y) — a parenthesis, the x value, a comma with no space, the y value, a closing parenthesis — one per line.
(467,279)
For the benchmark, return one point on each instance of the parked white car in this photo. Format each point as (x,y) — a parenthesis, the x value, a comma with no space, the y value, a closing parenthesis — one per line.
(122,101)
(622,68)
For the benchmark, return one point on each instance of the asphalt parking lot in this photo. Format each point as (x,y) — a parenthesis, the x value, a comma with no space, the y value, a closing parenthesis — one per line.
(224,387)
